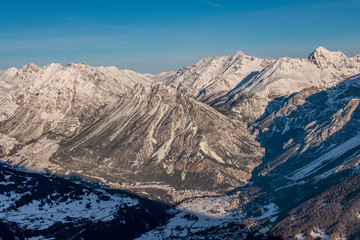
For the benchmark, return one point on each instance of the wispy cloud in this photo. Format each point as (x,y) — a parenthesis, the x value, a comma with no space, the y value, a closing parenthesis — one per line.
(215,4)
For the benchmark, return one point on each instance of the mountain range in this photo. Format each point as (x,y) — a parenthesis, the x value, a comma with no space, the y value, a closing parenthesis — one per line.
(259,148)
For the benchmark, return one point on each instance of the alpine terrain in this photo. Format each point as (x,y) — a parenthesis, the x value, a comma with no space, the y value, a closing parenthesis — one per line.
(233,147)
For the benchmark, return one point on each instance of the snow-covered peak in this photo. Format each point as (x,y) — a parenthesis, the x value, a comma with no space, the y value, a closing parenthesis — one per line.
(323,53)
(81,81)
(212,76)
(32,75)
(325,58)
(321,50)
(239,53)
(285,76)
(54,66)
(30,66)
(8,73)
(28,69)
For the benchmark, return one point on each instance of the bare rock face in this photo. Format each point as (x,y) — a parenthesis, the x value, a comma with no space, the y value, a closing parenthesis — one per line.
(162,140)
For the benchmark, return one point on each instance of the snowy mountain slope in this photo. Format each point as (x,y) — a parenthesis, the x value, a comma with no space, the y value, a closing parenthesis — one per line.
(313,125)
(20,86)
(212,77)
(284,77)
(8,82)
(312,162)
(42,105)
(164,144)
(34,205)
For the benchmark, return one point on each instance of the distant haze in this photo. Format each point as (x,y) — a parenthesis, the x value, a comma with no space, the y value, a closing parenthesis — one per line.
(156,36)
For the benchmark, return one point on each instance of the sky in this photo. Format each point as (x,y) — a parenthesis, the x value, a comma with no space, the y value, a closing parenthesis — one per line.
(156,36)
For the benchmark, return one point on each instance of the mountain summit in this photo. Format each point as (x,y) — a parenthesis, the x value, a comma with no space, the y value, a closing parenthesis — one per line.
(325,58)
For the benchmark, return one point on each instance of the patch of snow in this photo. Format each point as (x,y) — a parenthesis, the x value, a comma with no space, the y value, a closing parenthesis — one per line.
(326,174)
(196,215)
(37,215)
(324,204)
(300,236)
(318,233)
(165,147)
(208,151)
(6,183)
(268,210)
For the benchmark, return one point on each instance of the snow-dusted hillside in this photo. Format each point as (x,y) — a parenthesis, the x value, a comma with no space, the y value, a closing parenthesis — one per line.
(47,207)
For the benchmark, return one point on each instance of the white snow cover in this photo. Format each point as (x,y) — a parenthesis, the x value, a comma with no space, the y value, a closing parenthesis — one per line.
(325,159)
(41,216)
(300,236)
(268,210)
(289,75)
(265,78)
(207,150)
(198,214)
(87,80)
(319,233)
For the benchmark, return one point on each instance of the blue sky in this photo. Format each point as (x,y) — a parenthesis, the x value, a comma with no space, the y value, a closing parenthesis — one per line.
(155,36)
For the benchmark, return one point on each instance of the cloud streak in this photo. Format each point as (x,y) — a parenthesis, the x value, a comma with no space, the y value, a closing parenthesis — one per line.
(215,4)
